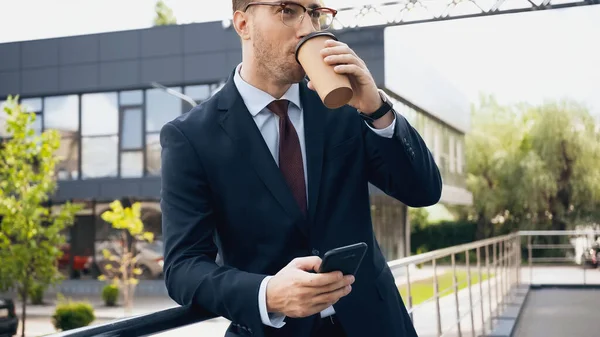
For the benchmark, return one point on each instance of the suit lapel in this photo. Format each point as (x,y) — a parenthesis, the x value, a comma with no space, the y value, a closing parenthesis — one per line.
(240,127)
(314,116)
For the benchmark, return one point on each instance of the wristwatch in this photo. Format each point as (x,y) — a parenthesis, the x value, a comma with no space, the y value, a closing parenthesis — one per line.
(385,107)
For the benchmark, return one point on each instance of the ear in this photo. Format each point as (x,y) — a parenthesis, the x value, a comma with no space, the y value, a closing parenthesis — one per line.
(241,24)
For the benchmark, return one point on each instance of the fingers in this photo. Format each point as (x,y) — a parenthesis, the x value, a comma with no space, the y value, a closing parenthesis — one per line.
(332,297)
(346,281)
(350,69)
(343,59)
(307,263)
(310,85)
(322,280)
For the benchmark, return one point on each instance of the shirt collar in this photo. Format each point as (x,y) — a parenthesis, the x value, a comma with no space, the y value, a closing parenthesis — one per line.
(256,100)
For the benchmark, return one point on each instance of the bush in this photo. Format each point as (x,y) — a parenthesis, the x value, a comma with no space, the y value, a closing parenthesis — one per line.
(72,315)
(444,234)
(110,293)
(36,293)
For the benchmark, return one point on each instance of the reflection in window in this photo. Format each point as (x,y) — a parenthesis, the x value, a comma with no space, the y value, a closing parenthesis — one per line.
(62,113)
(99,157)
(31,104)
(459,156)
(99,114)
(198,93)
(161,108)
(132,164)
(153,154)
(3,118)
(68,152)
(131,129)
(134,97)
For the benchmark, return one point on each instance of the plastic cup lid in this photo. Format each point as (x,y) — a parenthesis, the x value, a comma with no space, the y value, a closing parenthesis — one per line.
(310,36)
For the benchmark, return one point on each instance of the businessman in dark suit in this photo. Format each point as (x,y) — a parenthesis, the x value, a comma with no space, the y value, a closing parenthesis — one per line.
(267,176)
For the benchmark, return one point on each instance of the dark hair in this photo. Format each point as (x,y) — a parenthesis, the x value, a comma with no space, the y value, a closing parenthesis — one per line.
(239,5)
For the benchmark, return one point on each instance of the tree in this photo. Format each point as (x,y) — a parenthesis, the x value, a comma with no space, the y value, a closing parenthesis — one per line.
(30,230)
(532,167)
(121,269)
(164,14)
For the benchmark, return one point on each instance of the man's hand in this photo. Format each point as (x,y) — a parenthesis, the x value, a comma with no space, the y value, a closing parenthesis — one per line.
(345,61)
(295,292)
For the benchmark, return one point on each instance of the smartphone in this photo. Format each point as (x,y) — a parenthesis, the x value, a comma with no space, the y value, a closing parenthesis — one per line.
(346,259)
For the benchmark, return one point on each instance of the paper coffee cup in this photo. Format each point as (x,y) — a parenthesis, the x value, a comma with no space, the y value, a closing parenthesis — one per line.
(334,89)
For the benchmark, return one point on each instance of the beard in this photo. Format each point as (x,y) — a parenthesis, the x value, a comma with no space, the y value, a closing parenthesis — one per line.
(275,61)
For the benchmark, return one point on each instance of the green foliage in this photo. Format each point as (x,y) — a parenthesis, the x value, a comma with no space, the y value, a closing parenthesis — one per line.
(425,238)
(110,293)
(72,315)
(122,270)
(164,14)
(30,231)
(532,167)
(37,294)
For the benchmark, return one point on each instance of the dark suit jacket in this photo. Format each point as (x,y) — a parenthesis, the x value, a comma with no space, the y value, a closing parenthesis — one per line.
(222,191)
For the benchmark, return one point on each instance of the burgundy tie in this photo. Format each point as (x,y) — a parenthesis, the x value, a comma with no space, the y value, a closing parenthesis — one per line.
(290,155)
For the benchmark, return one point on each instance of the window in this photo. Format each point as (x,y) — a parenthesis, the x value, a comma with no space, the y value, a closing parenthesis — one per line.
(34,105)
(459,156)
(132,158)
(198,93)
(61,113)
(153,154)
(451,154)
(99,132)
(161,107)
(3,117)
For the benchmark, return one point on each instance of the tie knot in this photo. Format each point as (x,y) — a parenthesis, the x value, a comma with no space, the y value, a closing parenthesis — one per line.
(279,107)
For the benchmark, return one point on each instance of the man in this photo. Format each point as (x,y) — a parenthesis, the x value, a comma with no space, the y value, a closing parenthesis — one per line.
(267,176)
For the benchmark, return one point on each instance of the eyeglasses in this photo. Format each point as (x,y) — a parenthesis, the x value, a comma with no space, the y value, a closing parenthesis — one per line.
(293,13)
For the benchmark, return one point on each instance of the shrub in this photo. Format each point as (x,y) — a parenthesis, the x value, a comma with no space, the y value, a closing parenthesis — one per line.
(110,293)
(36,293)
(72,315)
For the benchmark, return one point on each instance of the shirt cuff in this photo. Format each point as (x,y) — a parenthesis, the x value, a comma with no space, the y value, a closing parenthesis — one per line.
(272,320)
(387,132)
(328,312)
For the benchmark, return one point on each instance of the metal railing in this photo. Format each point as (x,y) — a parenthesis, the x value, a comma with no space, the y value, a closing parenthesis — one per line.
(496,258)
(472,309)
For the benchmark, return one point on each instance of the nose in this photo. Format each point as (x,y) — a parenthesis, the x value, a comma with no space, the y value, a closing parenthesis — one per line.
(305,27)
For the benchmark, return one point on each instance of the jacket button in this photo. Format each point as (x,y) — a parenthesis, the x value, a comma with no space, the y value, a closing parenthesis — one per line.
(315,252)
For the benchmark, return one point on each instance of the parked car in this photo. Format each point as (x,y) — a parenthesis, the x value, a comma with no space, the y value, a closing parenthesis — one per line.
(8,318)
(81,263)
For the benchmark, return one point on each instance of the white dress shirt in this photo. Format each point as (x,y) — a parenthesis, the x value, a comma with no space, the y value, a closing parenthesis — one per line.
(267,122)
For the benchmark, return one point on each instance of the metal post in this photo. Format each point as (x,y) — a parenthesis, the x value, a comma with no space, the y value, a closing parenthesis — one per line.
(436,294)
(495,264)
(584,273)
(455,286)
(530,259)
(480,290)
(470,293)
(409,295)
(518,244)
(501,267)
(487,265)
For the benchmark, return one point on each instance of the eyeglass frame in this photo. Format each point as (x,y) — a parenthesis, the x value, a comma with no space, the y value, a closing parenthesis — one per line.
(282,4)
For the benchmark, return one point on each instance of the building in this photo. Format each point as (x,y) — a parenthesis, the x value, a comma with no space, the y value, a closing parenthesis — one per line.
(96,90)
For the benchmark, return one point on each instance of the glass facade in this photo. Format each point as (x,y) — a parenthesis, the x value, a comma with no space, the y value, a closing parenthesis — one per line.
(110,134)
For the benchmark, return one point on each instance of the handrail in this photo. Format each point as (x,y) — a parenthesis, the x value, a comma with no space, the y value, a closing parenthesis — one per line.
(499,258)
(143,325)
(443,252)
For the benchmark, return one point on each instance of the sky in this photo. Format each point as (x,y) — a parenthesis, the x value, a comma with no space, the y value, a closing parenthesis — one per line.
(529,57)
